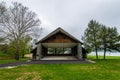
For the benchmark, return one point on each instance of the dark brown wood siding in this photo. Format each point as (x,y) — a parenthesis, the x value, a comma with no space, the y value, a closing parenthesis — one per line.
(59,38)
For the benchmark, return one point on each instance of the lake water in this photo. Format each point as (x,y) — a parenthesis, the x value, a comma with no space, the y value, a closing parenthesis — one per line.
(107,53)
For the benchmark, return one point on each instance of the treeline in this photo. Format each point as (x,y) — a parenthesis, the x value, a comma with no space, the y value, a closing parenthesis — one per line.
(18,26)
(100,37)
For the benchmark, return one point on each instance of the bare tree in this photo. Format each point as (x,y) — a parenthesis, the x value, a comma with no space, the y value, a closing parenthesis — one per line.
(2,11)
(36,34)
(17,23)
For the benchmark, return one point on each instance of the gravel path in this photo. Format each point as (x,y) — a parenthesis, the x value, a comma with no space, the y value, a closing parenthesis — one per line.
(46,62)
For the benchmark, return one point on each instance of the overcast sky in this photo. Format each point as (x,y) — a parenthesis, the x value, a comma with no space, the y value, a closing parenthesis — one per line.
(73,15)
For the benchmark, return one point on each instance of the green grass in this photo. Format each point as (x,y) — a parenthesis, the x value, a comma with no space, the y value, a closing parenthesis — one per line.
(4,55)
(101,57)
(8,58)
(108,69)
(12,60)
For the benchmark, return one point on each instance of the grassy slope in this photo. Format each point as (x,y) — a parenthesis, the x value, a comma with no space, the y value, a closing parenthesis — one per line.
(12,60)
(7,58)
(4,55)
(102,70)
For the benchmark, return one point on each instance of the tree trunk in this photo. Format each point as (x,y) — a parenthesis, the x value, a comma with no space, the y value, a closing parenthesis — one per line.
(23,55)
(96,52)
(104,53)
(17,53)
(23,52)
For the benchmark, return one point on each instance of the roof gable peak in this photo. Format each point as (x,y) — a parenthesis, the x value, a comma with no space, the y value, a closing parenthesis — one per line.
(59,29)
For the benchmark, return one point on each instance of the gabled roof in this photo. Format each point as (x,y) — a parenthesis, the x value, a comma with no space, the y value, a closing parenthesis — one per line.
(56,31)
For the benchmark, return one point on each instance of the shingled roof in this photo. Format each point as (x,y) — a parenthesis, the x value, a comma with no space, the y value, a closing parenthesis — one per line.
(56,31)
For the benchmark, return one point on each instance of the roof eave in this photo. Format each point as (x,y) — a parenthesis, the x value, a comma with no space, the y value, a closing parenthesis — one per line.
(57,30)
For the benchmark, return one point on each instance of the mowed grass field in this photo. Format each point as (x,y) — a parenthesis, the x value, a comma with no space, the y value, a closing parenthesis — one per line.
(7,58)
(108,69)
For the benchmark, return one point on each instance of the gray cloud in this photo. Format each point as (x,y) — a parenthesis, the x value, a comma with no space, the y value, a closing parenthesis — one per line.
(74,15)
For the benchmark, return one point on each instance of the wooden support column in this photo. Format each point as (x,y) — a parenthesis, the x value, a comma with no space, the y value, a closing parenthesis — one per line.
(79,51)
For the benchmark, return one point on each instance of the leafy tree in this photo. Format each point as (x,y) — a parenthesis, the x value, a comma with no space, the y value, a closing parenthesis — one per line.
(114,39)
(17,23)
(25,46)
(104,39)
(90,38)
(109,39)
(4,48)
(2,40)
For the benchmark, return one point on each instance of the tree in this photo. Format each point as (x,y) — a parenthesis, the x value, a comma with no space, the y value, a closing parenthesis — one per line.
(114,39)
(109,39)
(2,12)
(17,23)
(36,34)
(2,40)
(3,46)
(25,45)
(90,38)
(104,39)
(98,36)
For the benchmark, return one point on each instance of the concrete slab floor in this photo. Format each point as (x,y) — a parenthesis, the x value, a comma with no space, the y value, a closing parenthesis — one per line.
(59,58)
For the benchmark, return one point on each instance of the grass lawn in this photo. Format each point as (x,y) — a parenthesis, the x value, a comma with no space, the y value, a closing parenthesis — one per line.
(101,57)
(4,55)
(12,60)
(102,70)
(7,58)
